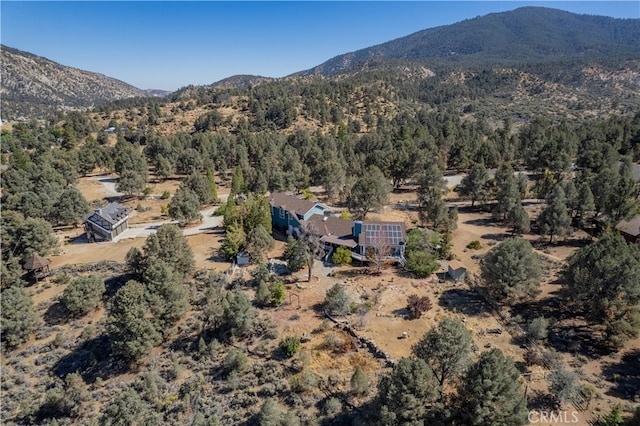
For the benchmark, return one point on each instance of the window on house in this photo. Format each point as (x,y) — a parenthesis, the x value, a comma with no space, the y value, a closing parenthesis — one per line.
(281,213)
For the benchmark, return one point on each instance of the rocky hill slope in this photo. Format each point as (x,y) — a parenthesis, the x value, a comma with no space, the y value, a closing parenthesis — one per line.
(33,86)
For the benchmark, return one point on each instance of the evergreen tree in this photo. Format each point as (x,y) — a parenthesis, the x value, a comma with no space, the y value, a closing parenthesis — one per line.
(474,184)
(83,295)
(294,254)
(259,243)
(237,183)
(256,211)
(604,281)
(518,220)
(171,247)
(624,201)
(70,207)
(132,182)
(491,393)
(564,386)
(213,188)
(201,187)
(586,203)
(336,300)
(184,206)
(431,206)
(512,270)
(18,317)
(408,394)
(359,382)
(555,219)
(238,316)
(165,293)
(263,294)
(131,330)
(507,194)
(369,193)
(164,167)
(446,349)
(233,242)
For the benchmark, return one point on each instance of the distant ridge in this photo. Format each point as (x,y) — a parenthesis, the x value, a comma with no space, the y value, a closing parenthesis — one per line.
(525,35)
(241,81)
(34,86)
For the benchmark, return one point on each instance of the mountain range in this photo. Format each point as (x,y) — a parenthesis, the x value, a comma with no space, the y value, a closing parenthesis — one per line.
(34,86)
(525,35)
(559,45)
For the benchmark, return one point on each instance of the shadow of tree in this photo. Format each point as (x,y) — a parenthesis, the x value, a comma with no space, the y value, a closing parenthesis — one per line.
(496,236)
(113,284)
(465,301)
(541,401)
(56,314)
(480,222)
(568,331)
(625,375)
(92,359)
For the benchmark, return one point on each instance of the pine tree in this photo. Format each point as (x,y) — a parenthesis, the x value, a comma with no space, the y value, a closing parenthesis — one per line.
(18,316)
(166,294)
(170,246)
(213,188)
(491,393)
(507,194)
(446,349)
(184,206)
(555,219)
(407,395)
(259,243)
(512,270)
(431,206)
(131,330)
(237,183)
(474,184)
(604,281)
(519,220)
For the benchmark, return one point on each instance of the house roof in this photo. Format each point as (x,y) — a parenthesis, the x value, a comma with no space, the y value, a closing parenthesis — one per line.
(334,230)
(35,261)
(339,241)
(631,226)
(291,202)
(456,264)
(394,233)
(113,213)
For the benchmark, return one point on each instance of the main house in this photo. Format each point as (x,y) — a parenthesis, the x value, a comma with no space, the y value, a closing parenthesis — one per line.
(106,223)
(291,213)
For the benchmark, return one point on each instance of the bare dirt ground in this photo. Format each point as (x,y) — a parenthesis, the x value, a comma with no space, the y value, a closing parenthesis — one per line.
(612,374)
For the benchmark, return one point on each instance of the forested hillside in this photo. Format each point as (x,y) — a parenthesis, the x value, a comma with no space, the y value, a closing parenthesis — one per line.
(528,35)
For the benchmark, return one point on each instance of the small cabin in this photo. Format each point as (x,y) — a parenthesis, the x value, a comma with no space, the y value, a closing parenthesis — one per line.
(243,258)
(456,270)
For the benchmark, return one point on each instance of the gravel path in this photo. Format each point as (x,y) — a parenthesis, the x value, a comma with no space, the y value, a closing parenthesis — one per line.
(143,230)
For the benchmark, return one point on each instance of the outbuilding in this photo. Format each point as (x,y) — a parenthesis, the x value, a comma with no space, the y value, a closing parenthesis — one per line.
(37,266)
(106,223)
(456,270)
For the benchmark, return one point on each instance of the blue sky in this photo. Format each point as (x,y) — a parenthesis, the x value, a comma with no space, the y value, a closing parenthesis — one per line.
(167,45)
